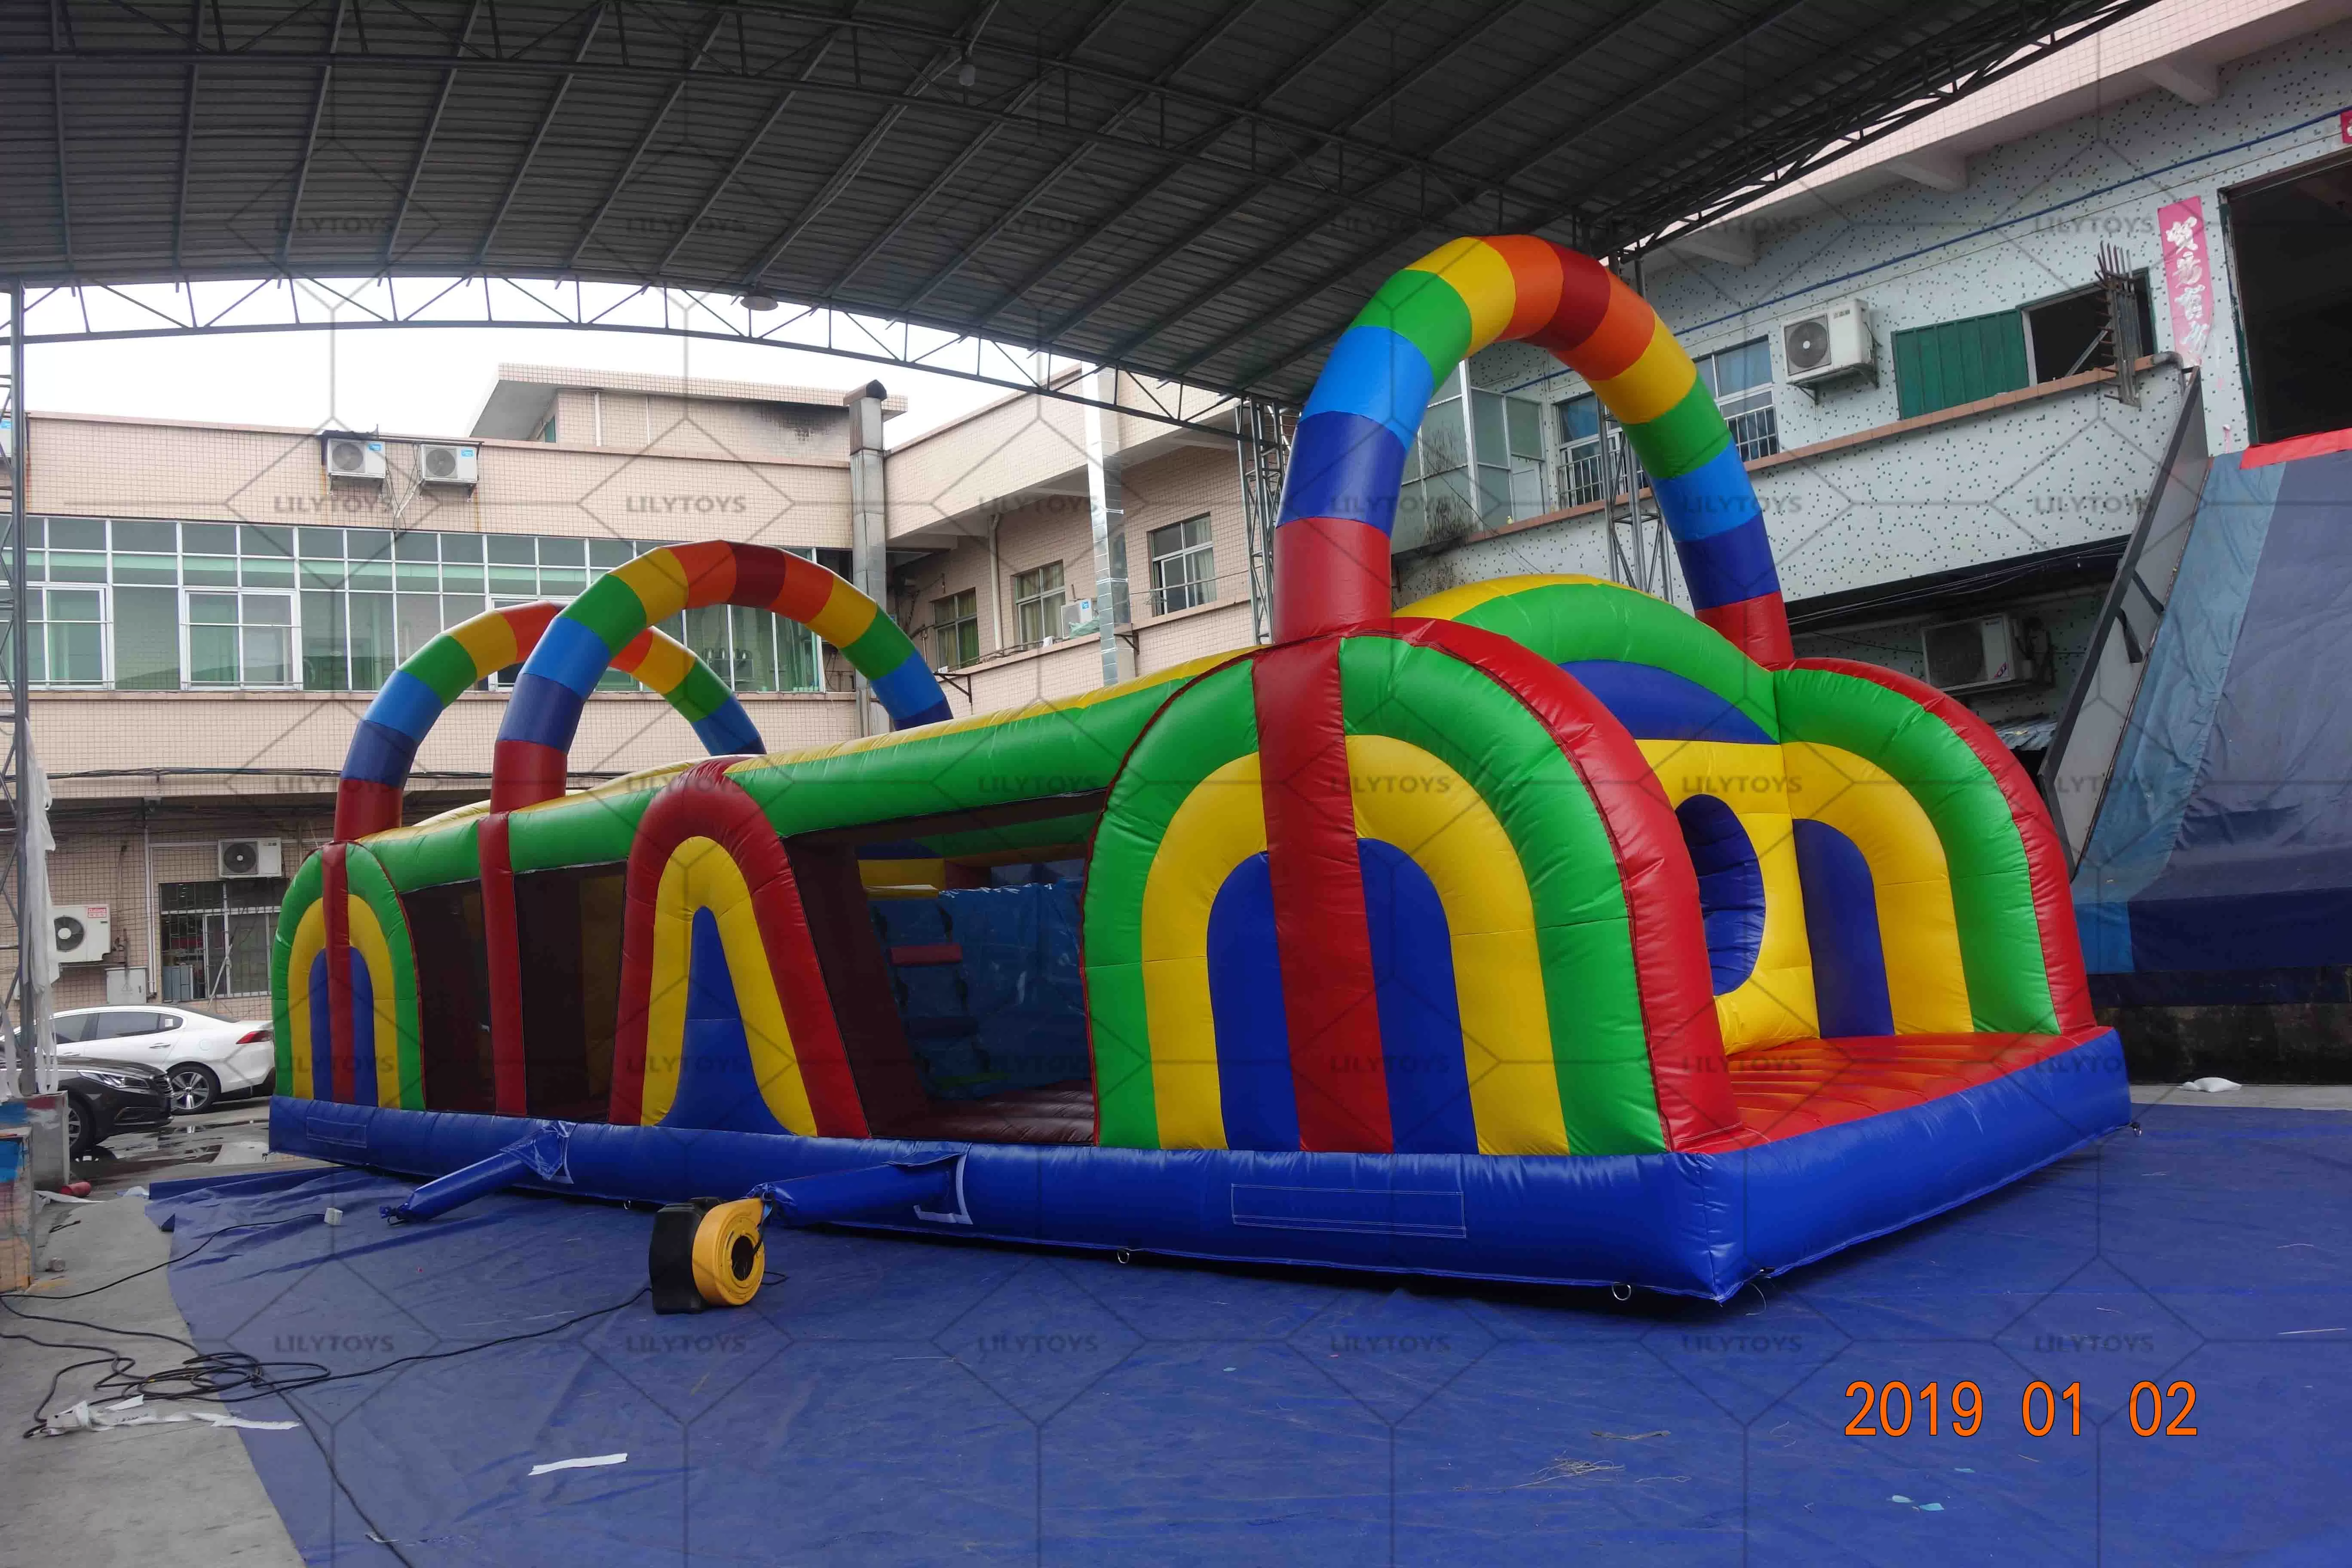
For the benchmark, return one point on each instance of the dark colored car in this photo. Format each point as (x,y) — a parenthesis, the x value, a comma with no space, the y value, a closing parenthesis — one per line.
(105,1098)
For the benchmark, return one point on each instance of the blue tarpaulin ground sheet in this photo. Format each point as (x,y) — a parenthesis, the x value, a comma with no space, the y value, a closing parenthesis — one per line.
(901,1401)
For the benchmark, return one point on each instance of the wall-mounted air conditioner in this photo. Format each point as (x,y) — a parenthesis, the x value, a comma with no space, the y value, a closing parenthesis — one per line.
(1828,345)
(445,463)
(85,931)
(1980,654)
(351,457)
(251,858)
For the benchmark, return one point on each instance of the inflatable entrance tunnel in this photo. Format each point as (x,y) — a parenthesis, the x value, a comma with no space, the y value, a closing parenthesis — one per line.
(1538,930)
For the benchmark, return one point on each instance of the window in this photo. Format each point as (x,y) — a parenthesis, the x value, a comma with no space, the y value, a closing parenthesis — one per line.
(1183,565)
(66,639)
(955,623)
(128,1024)
(142,605)
(1459,476)
(1038,595)
(1954,363)
(240,639)
(218,935)
(1506,440)
(2070,334)
(1740,380)
(1582,474)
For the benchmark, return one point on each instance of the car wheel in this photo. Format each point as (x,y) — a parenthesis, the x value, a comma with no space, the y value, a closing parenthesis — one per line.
(193,1089)
(81,1129)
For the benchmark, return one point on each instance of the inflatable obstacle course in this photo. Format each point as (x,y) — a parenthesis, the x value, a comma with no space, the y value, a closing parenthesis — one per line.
(1536,931)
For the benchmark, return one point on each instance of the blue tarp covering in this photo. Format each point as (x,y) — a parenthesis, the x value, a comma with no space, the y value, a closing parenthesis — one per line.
(2224,841)
(895,1401)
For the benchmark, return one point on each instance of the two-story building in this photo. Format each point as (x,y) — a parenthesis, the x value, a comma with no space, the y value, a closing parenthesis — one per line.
(212,606)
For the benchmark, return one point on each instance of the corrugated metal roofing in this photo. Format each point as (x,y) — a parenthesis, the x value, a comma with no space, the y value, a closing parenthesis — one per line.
(1196,189)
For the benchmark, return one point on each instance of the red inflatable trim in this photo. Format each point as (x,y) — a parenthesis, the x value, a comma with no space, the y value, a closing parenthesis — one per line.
(1321,927)
(524,773)
(502,946)
(703,802)
(1696,1111)
(2045,859)
(335,889)
(1330,574)
(2294,449)
(363,806)
(1758,627)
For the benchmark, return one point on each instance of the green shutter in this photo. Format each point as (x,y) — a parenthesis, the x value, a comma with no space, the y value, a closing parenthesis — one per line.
(1954,363)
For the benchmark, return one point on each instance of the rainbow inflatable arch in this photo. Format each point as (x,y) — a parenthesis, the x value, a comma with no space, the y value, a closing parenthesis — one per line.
(1536,931)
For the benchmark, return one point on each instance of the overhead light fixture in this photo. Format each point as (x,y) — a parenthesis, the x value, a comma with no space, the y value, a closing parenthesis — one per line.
(757,301)
(967,73)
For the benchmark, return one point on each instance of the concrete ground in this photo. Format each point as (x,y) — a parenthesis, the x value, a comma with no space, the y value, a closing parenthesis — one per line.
(187,1491)
(183,1493)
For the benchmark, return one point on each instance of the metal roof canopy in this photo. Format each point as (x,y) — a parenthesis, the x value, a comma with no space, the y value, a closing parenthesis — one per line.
(1201,190)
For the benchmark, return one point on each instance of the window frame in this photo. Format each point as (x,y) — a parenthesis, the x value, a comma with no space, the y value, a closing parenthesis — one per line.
(956,617)
(1197,587)
(224,917)
(1057,592)
(1753,404)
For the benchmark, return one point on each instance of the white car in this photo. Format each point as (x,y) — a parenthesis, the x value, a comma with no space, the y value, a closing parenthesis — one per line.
(205,1057)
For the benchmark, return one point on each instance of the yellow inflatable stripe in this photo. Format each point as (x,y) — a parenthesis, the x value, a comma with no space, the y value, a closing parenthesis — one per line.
(369,947)
(1221,824)
(1918,931)
(309,940)
(1776,1002)
(664,665)
(1453,836)
(702,875)
(1453,603)
(1653,383)
(1483,278)
(490,641)
(846,614)
(658,579)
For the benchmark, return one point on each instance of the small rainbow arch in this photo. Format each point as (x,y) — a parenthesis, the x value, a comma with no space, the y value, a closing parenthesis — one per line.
(383,746)
(532,760)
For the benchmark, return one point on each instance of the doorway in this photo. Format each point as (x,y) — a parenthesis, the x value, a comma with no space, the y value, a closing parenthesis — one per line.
(2291,237)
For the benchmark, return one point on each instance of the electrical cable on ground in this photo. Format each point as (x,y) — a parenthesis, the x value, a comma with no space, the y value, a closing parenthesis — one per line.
(227,1376)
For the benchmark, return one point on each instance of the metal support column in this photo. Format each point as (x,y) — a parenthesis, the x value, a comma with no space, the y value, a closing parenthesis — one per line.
(1107,515)
(869,529)
(1264,454)
(26,1010)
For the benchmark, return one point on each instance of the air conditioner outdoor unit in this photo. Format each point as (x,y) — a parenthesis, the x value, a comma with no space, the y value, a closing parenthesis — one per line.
(1976,655)
(1830,342)
(1079,619)
(85,931)
(251,858)
(350,457)
(442,463)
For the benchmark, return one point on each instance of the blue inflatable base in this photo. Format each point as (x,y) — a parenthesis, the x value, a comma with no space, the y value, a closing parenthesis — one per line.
(1691,1224)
